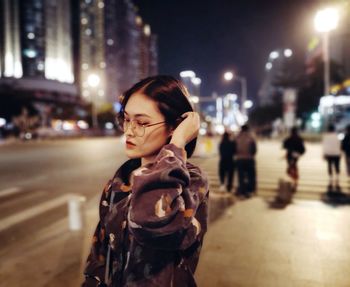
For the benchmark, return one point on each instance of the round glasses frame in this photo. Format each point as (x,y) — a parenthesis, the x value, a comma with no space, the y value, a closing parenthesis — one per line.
(138,129)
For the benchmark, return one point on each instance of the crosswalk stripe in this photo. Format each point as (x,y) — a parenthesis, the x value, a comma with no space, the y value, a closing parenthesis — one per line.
(32,212)
(9,191)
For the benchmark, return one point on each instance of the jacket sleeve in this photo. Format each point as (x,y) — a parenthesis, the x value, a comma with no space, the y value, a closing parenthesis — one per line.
(96,262)
(168,207)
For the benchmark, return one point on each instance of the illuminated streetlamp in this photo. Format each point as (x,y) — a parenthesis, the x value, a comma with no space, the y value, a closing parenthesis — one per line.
(228,76)
(94,81)
(325,21)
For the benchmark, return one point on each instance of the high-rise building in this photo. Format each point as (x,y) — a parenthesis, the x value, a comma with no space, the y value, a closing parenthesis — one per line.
(116,46)
(36,51)
(92,50)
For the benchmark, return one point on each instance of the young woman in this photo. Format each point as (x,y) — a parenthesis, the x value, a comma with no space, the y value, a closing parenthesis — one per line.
(153,212)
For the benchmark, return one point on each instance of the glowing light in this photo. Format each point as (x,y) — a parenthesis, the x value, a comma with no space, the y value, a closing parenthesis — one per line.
(31,36)
(187,74)
(147,30)
(341,136)
(274,55)
(30,53)
(2,122)
(110,42)
(326,20)
(93,80)
(232,97)
(248,104)
(288,53)
(67,126)
(202,131)
(82,125)
(315,116)
(109,126)
(58,69)
(196,81)
(103,65)
(228,76)
(88,32)
(220,129)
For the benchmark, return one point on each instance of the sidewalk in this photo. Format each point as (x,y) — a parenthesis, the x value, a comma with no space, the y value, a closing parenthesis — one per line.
(306,244)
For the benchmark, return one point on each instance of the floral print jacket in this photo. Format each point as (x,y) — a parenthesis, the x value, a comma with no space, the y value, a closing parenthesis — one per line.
(150,233)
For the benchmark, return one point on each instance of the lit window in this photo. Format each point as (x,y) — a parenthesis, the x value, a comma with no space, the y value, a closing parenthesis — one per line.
(101,5)
(41,66)
(31,36)
(84,21)
(88,32)
(29,53)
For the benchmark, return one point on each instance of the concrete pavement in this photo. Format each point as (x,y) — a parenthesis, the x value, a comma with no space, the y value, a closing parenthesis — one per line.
(248,243)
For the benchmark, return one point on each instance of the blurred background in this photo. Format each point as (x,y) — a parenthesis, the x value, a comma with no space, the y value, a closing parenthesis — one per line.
(272,64)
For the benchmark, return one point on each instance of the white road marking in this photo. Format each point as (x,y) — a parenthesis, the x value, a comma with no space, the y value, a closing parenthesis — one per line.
(33,211)
(9,191)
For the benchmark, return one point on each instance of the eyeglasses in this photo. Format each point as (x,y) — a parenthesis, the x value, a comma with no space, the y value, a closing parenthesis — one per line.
(137,128)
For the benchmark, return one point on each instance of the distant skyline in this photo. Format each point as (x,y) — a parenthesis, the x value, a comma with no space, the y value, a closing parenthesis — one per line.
(210,37)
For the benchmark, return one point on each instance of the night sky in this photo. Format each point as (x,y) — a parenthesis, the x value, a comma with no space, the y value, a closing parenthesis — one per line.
(210,37)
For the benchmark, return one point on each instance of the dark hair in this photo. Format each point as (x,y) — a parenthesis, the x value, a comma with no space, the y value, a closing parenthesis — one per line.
(331,128)
(294,131)
(245,128)
(225,137)
(171,97)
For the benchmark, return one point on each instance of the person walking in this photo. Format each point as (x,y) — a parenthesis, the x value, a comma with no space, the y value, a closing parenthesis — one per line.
(345,146)
(226,162)
(331,152)
(153,213)
(246,149)
(294,145)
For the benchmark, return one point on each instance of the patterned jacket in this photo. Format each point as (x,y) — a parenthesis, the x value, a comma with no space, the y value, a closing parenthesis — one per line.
(150,233)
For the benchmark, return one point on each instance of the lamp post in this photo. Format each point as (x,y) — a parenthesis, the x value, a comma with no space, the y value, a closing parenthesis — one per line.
(325,21)
(228,76)
(93,81)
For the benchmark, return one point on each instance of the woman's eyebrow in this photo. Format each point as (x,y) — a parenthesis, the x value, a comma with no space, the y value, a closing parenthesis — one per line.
(138,115)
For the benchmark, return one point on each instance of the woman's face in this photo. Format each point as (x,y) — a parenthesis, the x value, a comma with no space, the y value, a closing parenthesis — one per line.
(141,110)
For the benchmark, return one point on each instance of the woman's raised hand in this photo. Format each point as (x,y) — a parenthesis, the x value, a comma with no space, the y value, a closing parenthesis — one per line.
(187,130)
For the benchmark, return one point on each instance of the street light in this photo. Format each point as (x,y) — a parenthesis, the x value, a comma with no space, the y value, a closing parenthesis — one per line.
(93,81)
(228,76)
(325,21)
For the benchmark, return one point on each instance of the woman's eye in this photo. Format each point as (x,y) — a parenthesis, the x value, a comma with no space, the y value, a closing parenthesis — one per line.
(141,123)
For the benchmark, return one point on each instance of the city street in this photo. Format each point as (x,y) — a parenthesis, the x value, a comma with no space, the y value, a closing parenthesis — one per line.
(36,177)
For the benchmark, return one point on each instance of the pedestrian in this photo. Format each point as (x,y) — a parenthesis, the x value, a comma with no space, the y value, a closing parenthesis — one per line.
(345,146)
(246,149)
(226,162)
(331,152)
(294,145)
(153,212)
